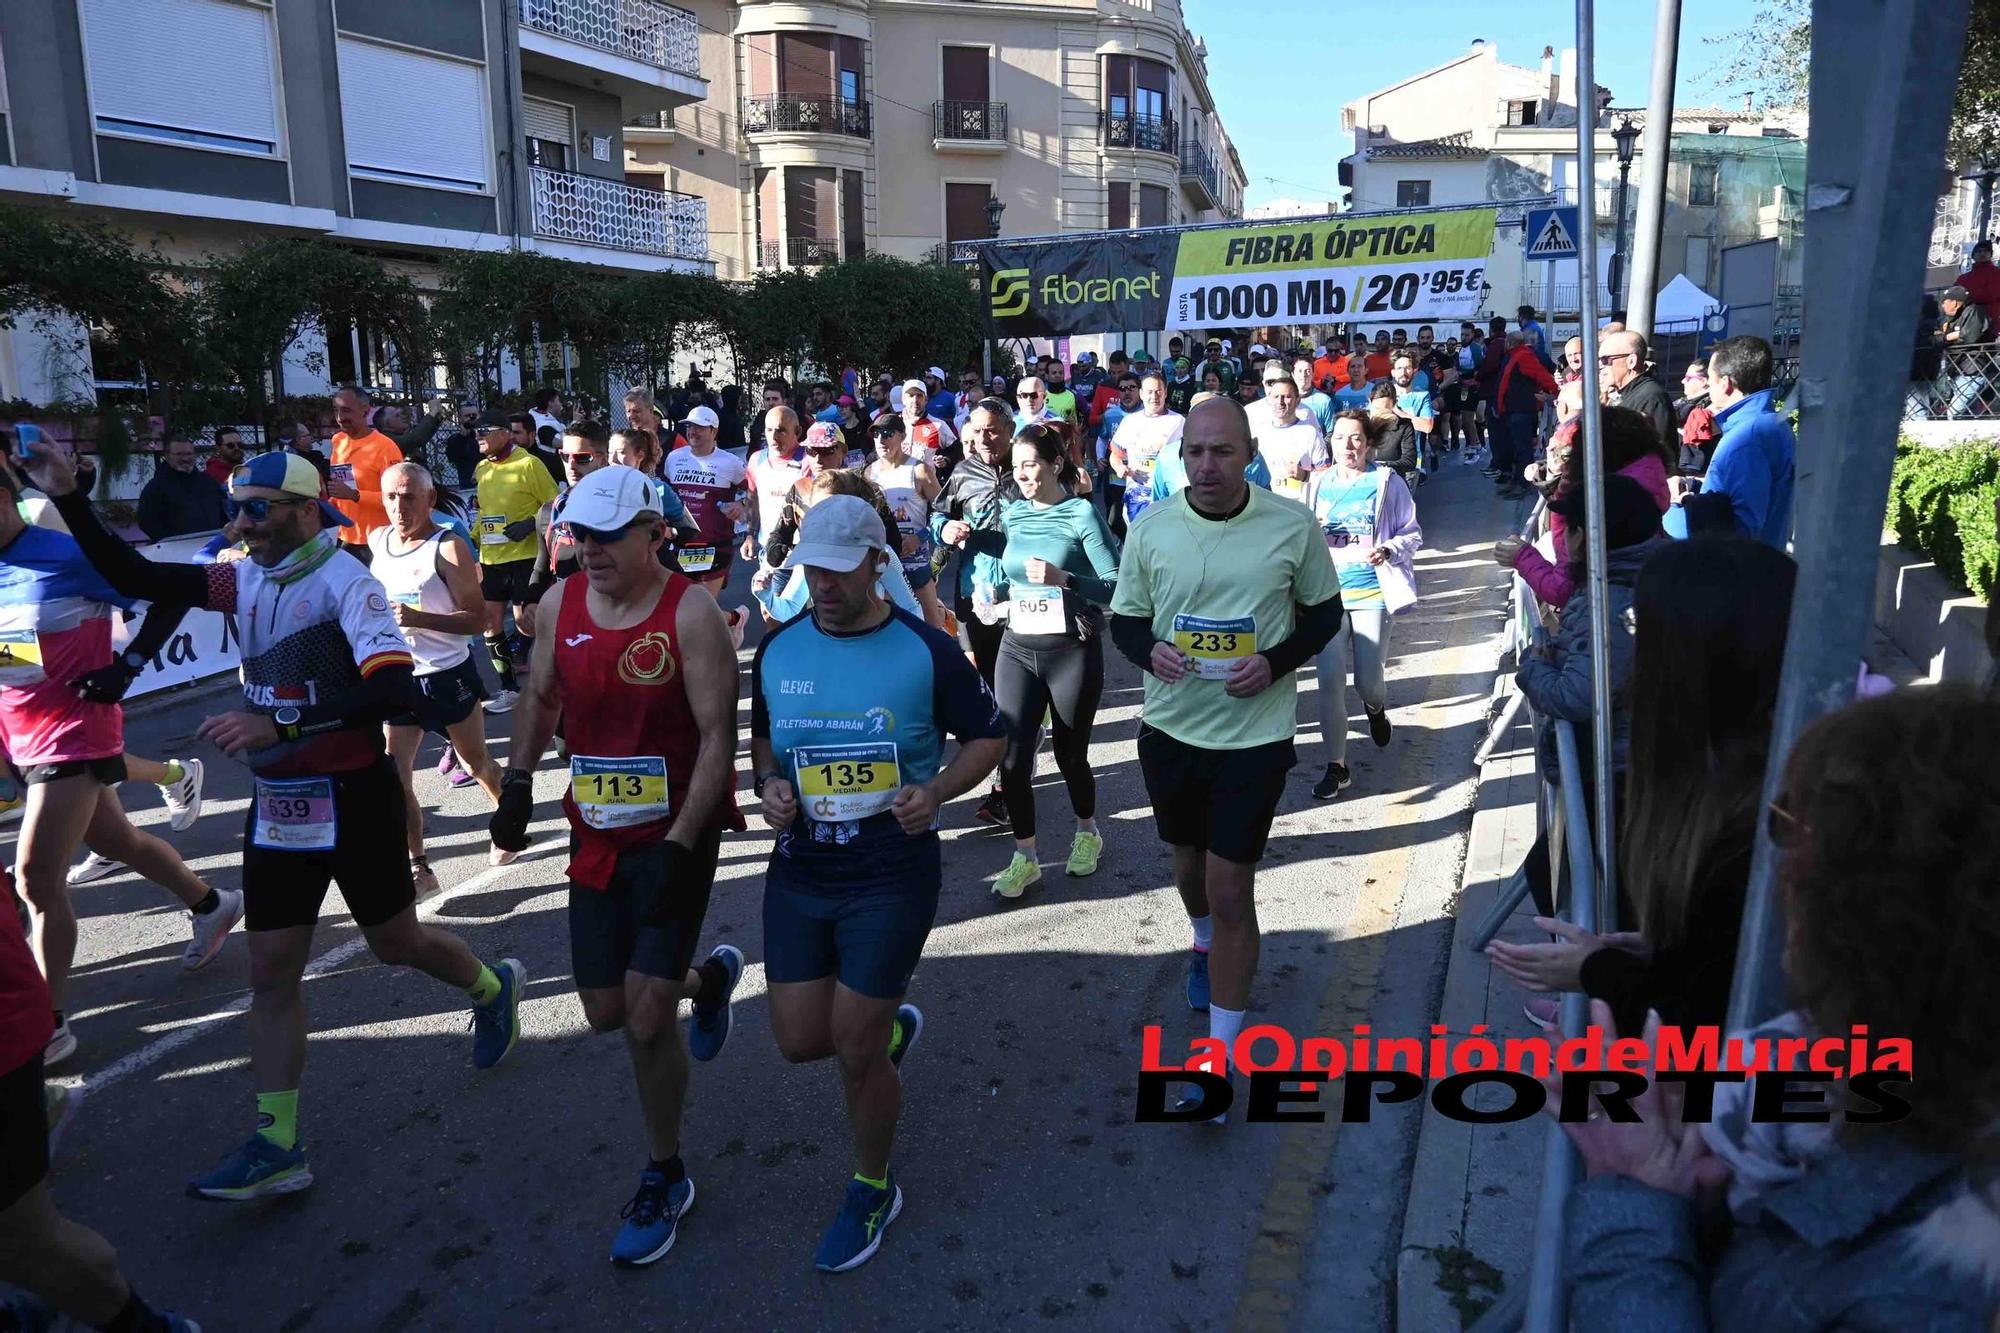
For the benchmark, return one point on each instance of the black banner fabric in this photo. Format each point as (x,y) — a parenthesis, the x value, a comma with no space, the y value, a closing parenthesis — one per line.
(1057,289)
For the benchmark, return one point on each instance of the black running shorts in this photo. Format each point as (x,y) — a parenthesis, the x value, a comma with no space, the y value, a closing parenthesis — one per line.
(1219,801)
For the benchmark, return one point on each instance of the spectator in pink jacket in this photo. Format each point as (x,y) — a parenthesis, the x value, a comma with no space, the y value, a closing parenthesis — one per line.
(1631,450)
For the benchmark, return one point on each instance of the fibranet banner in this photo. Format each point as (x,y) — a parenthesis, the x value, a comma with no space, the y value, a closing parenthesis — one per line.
(1384,267)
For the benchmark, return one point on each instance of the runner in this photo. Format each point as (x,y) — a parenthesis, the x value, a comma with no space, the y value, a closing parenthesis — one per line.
(1058,568)
(932,442)
(850,705)
(431,577)
(555,552)
(773,473)
(639,667)
(1287,439)
(1219,636)
(1140,440)
(1370,522)
(317,685)
(63,732)
(354,477)
(711,484)
(179,781)
(910,485)
(785,593)
(513,486)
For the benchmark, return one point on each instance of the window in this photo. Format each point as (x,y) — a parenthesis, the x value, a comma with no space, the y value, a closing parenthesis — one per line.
(1413,194)
(647,180)
(1152,205)
(1701,184)
(197,72)
(437,140)
(853,221)
(965,75)
(1521,113)
(550,128)
(1118,215)
(1697,259)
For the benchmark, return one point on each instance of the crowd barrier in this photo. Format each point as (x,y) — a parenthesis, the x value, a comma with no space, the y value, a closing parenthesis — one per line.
(1967,387)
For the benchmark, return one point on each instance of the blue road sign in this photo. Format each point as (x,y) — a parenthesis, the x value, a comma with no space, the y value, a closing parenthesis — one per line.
(1552,233)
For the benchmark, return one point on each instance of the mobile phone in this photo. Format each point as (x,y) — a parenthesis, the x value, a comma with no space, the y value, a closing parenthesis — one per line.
(28,433)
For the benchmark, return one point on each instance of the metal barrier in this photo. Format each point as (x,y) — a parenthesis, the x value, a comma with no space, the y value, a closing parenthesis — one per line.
(1967,387)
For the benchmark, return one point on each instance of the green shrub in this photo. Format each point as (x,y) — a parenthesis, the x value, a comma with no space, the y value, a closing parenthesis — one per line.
(1972,513)
(1931,498)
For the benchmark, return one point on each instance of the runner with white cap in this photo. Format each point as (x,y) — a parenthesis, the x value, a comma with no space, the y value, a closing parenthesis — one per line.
(850,705)
(711,482)
(929,438)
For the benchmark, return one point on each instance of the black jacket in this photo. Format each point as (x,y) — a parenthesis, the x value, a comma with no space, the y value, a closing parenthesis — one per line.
(1970,324)
(174,503)
(1396,445)
(1645,396)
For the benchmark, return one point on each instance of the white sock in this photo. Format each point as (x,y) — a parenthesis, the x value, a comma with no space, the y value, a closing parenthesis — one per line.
(1224,1024)
(1204,932)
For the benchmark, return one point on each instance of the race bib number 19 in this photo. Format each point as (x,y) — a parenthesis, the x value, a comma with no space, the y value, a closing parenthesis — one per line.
(1215,646)
(492,529)
(618,793)
(838,783)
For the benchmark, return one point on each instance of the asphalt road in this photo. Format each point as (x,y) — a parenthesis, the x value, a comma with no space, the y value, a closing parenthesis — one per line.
(448,1199)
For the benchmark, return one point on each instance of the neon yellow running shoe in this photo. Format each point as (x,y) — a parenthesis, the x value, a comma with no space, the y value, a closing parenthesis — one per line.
(1022,871)
(1083,854)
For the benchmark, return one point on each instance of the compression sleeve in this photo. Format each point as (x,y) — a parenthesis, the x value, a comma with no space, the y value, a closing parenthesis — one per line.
(1133,637)
(1314,629)
(388,691)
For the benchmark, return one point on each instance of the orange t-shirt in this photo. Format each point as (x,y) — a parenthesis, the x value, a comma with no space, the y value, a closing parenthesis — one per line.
(1378,365)
(1326,368)
(360,462)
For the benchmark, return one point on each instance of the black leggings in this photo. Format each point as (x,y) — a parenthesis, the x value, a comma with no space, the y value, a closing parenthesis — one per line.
(1066,677)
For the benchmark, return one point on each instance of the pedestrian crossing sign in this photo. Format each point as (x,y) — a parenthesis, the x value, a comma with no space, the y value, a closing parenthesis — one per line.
(1552,233)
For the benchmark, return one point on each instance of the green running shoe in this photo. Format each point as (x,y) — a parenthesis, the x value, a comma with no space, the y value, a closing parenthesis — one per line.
(1083,854)
(1022,871)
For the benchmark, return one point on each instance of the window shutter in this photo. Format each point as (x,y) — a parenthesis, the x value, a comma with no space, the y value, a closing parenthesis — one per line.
(965,74)
(414,118)
(548,120)
(202,66)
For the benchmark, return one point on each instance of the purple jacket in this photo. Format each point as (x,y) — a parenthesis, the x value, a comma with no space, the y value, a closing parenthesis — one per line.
(1396,531)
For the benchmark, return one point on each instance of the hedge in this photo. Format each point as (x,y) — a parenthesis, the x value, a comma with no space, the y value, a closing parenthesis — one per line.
(1941,503)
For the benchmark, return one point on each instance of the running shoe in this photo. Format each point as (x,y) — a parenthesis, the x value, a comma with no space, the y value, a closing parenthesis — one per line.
(652,1220)
(93,868)
(1197,980)
(259,1167)
(992,810)
(422,876)
(496,1025)
(179,1323)
(212,929)
(1332,783)
(452,771)
(184,797)
(904,1030)
(1191,1099)
(61,1046)
(502,701)
(500,856)
(865,1213)
(1021,872)
(1084,850)
(59,1103)
(1379,730)
(708,1033)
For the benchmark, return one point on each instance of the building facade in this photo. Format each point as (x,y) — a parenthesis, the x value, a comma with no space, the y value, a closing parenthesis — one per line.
(836,128)
(409,128)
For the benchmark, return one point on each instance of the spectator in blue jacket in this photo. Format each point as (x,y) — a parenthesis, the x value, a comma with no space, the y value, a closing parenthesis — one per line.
(1748,488)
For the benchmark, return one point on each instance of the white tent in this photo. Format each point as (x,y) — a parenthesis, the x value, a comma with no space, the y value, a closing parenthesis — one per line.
(1682,305)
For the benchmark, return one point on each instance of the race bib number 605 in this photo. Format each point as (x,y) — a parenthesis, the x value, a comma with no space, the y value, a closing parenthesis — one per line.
(1215,646)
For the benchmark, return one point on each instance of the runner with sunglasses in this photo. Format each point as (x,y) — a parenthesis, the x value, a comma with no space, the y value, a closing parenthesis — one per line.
(512,486)
(639,666)
(323,666)
(910,485)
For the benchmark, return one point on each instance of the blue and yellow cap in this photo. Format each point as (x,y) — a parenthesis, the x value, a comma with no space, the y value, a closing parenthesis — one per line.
(290,473)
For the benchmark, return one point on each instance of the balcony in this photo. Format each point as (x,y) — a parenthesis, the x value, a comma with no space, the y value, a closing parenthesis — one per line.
(797,252)
(958,254)
(591,210)
(1152,133)
(789,113)
(972,127)
(1200,176)
(646,53)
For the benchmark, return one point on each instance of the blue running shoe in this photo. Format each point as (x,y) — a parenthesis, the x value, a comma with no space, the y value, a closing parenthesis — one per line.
(709,1032)
(259,1167)
(652,1220)
(1197,982)
(903,1033)
(496,1025)
(856,1234)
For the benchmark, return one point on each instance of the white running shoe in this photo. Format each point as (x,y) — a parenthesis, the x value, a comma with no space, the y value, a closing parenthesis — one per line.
(211,930)
(62,1045)
(422,877)
(184,797)
(502,701)
(92,868)
(500,856)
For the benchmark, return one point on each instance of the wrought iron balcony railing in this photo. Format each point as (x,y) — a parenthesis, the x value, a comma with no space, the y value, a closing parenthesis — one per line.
(660,35)
(1150,132)
(773,113)
(984,122)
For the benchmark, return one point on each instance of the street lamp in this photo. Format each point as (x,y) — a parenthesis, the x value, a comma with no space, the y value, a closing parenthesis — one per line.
(1626,136)
(994,208)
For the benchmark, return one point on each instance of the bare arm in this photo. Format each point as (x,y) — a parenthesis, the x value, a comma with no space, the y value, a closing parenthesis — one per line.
(708,664)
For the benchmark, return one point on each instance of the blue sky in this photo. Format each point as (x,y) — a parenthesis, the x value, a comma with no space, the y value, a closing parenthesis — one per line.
(1281,99)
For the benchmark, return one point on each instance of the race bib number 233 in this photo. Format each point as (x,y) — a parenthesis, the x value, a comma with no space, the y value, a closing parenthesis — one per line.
(1215,646)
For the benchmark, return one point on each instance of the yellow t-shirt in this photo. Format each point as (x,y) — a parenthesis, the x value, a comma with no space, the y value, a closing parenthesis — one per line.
(510,489)
(1220,590)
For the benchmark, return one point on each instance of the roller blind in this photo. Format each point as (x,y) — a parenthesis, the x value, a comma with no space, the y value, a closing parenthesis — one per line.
(548,120)
(141,54)
(414,118)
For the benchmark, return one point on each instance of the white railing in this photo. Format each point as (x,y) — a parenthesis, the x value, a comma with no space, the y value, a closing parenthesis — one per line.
(592,210)
(1952,232)
(644,30)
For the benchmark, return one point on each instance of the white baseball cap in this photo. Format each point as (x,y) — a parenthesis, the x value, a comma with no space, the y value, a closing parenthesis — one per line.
(916,386)
(838,533)
(935,373)
(609,498)
(702,416)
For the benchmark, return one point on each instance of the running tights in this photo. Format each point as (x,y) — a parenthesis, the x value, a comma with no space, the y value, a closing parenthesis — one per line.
(1065,681)
(1364,635)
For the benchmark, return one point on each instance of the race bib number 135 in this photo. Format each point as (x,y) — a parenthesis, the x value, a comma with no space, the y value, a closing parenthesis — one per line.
(837,783)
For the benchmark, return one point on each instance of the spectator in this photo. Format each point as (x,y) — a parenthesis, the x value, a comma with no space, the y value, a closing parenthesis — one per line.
(1883,833)
(461,446)
(1521,387)
(776,393)
(1697,420)
(1926,359)
(299,440)
(1982,282)
(1748,488)
(1625,374)
(1707,648)
(394,421)
(550,413)
(1965,371)
(227,457)
(729,435)
(1531,327)
(179,498)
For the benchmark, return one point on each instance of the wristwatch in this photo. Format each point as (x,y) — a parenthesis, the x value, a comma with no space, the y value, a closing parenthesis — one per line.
(757,787)
(133,660)
(287,722)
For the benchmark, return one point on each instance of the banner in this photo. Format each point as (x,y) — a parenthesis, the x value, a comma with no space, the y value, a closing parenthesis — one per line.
(204,645)
(1402,266)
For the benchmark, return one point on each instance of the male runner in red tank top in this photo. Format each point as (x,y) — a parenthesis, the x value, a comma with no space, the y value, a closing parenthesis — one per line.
(640,670)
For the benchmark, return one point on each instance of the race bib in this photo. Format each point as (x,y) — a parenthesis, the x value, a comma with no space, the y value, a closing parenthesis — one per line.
(294,815)
(1033,609)
(342,473)
(697,559)
(1215,646)
(20,657)
(406,598)
(618,793)
(492,529)
(846,782)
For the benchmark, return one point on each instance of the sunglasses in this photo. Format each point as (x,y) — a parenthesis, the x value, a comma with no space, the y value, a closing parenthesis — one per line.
(1612,358)
(259,510)
(580,534)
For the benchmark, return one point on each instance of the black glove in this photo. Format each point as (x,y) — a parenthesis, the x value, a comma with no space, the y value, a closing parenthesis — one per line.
(676,868)
(106,685)
(509,825)
(520,529)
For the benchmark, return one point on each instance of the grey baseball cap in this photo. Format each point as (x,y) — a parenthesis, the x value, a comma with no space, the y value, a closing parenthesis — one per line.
(838,533)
